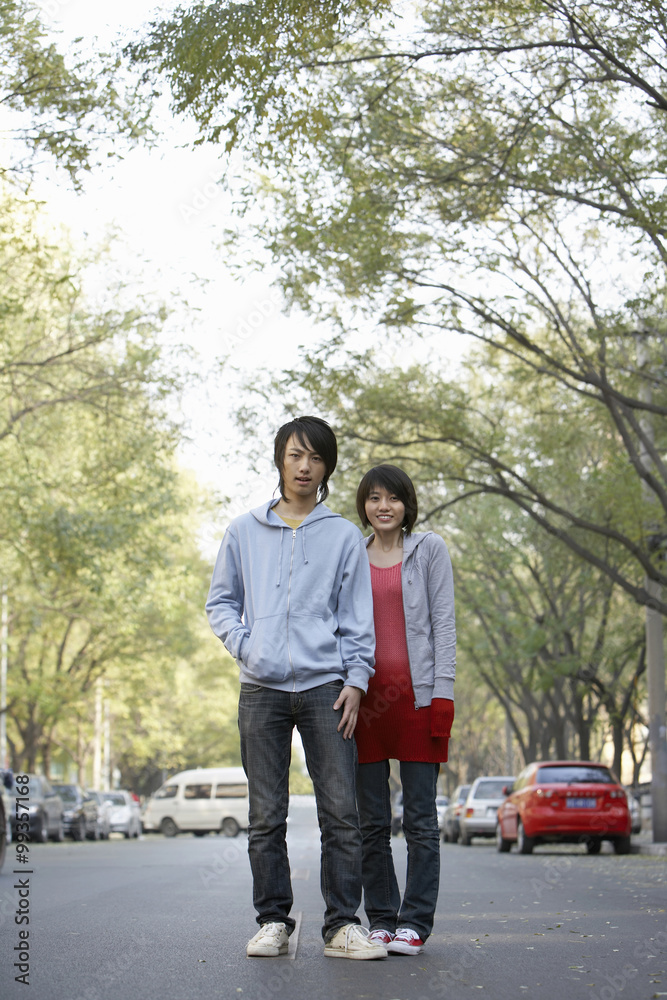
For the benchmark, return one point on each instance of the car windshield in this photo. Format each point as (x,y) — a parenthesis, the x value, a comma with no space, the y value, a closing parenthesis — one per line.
(573,774)
(490,789)
(463,794)
(117,800)
(66,792)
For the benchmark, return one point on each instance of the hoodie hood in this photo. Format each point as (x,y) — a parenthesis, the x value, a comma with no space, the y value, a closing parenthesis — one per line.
(266,515)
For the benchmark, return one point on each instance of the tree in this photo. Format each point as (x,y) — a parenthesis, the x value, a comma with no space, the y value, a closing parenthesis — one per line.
(98,545)
(57,105)
(489,169)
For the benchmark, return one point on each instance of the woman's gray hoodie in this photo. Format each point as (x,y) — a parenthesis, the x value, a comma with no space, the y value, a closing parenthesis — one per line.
(428,604)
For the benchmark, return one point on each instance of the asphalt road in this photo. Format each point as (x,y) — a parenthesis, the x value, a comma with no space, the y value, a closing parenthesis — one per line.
(159,919)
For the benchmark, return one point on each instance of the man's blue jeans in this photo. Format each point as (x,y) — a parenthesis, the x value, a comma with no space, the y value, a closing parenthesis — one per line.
(266,722)
(382,900)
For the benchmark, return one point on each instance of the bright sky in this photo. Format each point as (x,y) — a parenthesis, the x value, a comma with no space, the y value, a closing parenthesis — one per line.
(167,211)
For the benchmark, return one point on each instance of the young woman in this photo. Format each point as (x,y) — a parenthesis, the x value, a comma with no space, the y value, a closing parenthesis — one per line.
(408,711)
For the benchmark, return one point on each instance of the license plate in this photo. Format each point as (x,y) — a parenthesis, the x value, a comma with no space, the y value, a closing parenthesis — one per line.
(581,803)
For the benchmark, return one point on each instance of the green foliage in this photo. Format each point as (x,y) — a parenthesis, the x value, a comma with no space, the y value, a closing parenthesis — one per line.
(488,170)
(98,541)
(60,105)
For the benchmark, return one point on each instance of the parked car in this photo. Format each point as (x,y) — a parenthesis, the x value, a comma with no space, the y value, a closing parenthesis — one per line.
(125,813)
(201,800)
(564,801)
(397,814)
(104,808)
(6,785)
(40,805)
(479,814)
(441,803)
(451,829)
(80,814)
(635,806)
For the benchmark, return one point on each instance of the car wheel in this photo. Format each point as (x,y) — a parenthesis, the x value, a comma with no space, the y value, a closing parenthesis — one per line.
(466,839)
(445,837)
(502,845)
(168,827)
(229,827)
(79,830)
(59,835)
(41,830)
(622,845)
(454,837)
(524,844)
(593,845)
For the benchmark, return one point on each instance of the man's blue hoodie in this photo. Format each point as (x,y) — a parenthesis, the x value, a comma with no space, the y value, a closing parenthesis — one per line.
(294,607)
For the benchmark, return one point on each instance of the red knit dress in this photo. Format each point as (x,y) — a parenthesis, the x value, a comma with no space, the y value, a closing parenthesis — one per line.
(389,726)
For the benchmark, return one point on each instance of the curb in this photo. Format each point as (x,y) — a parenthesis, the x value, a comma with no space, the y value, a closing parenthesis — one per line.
(658,850)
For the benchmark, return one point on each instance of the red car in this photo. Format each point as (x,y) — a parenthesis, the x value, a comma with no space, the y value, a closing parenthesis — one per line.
(567,802)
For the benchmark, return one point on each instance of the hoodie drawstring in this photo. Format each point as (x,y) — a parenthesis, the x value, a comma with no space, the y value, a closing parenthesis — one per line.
(280,557)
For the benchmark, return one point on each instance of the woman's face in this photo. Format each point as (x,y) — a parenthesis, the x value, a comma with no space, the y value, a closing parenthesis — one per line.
(385,512)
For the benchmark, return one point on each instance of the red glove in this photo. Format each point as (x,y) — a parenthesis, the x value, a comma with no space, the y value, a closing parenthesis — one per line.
(442,716)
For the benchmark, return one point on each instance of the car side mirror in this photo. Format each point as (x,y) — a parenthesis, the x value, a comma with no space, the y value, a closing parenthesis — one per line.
(507,789)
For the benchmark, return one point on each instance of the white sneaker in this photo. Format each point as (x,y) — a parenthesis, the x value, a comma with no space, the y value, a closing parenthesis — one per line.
(351,941)
(270,940)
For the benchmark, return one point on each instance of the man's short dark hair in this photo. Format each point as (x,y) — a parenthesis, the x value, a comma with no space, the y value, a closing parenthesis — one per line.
(395,481)
(311,432)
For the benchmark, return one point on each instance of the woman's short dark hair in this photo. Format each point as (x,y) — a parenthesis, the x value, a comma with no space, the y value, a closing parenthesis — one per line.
(395,481)
(311,432)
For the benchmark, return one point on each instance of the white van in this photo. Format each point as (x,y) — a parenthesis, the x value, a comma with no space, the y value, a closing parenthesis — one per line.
(199,801)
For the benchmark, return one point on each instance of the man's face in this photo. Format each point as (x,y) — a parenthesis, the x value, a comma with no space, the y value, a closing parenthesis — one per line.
(303,469)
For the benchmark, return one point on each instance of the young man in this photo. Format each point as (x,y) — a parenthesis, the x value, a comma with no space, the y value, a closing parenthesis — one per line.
(291,600)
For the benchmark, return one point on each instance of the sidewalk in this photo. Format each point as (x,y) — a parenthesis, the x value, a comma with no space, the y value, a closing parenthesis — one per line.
(642,843)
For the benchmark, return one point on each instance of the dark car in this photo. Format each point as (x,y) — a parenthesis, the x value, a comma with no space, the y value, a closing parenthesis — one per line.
(39,804)
(80,816)
(6,785)
(566,802)
(451,829)
(397,814)
(104,809)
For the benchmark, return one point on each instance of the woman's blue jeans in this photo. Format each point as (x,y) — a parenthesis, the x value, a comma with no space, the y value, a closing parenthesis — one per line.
(266,721)
(382,900)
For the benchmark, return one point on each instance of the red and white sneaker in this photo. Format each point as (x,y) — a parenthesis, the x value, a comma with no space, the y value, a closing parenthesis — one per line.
(405,942)
(381,936)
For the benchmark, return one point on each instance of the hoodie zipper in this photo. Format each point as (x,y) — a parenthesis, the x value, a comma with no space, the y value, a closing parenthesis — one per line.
(289,597)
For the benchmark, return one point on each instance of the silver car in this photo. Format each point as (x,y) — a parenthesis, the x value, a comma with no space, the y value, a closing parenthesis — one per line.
(125,813)
(480,812)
